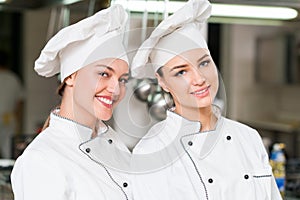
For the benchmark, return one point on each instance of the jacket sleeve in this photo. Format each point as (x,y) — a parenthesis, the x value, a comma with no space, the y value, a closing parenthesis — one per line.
(275,195)
(36,176)
(274,190)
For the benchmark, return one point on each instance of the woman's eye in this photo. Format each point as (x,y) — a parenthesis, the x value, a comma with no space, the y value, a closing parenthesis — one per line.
(123,81)
(204,63)
(103,74)
(180,73)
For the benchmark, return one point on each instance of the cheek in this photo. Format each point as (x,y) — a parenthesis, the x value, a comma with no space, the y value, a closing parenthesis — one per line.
(85,91)
(214,81)
(122,93)
(120,96)
(178,88)
(87,81)
(99,85)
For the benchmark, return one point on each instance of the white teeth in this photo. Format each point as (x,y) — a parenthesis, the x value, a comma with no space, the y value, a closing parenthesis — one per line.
(201,91)
(107,101)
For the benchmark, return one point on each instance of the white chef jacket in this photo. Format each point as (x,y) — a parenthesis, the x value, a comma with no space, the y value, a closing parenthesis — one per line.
(228,163)
(174,161)
(59,165)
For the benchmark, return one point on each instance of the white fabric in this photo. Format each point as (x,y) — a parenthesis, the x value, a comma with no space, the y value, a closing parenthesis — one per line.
(55,167)
(174,35)
(222,163)
(11,92)
(84,42)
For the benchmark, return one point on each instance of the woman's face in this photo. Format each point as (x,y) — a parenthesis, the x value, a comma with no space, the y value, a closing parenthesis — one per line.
(98,88)
(191,78)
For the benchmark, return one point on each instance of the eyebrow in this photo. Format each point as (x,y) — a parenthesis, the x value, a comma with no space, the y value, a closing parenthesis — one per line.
(126,74)
(111,69)
(205,55)
(182,66)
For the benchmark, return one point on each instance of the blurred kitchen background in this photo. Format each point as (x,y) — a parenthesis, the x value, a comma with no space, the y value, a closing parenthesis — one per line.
(258,60)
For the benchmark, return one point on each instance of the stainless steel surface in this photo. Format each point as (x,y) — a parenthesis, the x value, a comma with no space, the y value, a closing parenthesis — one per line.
(143,88)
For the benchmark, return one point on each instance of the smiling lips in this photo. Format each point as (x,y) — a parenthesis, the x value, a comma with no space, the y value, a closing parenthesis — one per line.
(203,92)
(106,101)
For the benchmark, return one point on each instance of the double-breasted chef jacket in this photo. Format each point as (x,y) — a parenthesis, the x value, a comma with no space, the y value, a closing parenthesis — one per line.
(228,163)
(174,161)
(57,166)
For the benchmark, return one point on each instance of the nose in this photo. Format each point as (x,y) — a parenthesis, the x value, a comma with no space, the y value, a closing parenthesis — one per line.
(198,77)
(113,86)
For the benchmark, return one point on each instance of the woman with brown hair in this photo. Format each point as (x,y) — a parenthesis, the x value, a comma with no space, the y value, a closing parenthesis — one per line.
(61,163)
(202,154)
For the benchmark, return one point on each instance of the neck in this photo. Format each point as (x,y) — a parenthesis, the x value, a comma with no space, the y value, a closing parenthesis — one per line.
(69,110)
(204,115)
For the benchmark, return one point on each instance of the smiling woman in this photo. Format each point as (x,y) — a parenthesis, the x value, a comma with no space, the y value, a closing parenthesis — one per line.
(222,158)
(59,164)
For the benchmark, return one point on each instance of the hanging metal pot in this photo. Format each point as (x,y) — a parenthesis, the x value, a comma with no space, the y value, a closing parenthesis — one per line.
(143,88)
(158,103)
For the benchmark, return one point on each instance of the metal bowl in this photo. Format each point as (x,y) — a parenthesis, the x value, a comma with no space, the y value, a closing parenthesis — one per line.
(143,88)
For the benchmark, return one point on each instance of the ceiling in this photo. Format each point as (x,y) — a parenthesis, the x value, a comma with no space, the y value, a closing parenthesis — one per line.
(84,5)
(290,3)
(35,4)
(21,5)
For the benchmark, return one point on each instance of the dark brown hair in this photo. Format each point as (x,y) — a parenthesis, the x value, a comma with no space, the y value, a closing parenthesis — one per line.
(60,92)
(160,72)
(61,88)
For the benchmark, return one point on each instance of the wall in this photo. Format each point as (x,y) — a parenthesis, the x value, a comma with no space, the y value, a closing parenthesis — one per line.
(40,97)
(249,100)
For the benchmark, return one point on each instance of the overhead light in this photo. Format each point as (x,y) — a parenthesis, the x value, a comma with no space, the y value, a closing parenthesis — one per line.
(2,1)
(249,11)
(218,10)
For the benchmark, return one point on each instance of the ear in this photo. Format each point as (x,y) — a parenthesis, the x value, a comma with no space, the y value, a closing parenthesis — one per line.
(161,82)
(70,80)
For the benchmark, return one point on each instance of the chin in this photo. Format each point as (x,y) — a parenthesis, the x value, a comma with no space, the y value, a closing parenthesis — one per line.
(104,116)
(203,105)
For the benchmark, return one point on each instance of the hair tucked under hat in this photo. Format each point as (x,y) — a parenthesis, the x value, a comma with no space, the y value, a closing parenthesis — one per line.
(174,35)
(97,37)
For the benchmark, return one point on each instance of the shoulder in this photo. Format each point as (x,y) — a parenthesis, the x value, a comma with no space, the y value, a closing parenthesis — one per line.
(247,136)
(37,158)
(50,143)
(46,153)
(243,131)
(36,171)
(230,124)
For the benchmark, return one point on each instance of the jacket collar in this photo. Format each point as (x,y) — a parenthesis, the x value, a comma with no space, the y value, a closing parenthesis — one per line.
(71,127)
(105,149)
(176,125)
(203,142)
(176,133)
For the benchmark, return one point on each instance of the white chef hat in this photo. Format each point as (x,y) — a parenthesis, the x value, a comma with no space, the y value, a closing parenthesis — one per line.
(97,37)
(176,34)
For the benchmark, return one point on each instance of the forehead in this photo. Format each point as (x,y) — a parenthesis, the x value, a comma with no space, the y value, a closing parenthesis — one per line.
(116,65)
(192,56)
